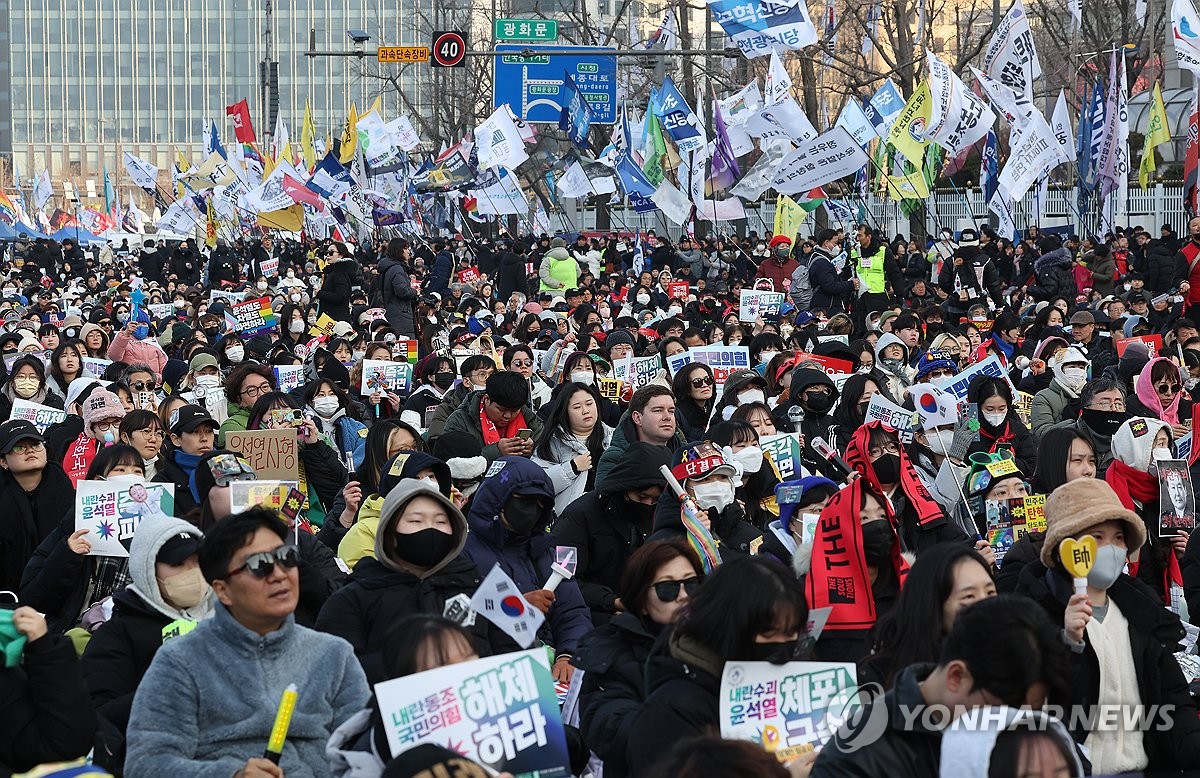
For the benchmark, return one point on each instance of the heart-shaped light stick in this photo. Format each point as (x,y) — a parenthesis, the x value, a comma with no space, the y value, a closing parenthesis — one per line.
(1077,557)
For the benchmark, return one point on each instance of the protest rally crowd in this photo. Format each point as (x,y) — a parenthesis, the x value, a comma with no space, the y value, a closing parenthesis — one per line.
(601,504)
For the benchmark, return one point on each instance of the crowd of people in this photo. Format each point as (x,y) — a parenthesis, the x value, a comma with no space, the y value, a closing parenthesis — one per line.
(545,408)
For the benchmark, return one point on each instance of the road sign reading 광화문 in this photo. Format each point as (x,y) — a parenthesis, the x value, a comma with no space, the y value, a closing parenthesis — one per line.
(402,54)
(539,30)
(533,85)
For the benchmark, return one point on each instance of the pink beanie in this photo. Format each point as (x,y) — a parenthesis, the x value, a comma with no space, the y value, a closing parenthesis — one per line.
(101,405)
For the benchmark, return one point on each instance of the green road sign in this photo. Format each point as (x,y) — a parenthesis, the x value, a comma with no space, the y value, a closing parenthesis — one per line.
(539,30)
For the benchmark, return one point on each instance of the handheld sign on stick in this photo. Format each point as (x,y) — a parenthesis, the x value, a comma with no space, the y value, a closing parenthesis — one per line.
(283,720)
(1077,557)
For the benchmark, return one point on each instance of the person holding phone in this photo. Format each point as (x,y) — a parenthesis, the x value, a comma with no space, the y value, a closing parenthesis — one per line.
(499,417)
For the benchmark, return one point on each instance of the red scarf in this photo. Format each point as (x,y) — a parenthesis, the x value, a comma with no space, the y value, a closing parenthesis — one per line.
(1132,484)
(838,576)
(1006,436)
(928,511)
(491,433)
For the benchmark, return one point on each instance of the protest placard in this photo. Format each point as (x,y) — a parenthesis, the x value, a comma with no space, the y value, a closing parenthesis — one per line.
(640,371)
(273,454)
(269,267)
(96,365)
(678,290)
(784,450)
(1023,405)
(902,420)
(228,297)
(753,304)
(722,359)
(957,384)
(379,375)
(1008,520)
(789,709)
(267,493)
(252,317)
(289,377)
(160,310)
(111,511)
(610,388)
(1176,500)
(500,711)
(1153,343)
(13,356)
(324,326)
(830,365)
(405,351)
(42,416)
(468,275)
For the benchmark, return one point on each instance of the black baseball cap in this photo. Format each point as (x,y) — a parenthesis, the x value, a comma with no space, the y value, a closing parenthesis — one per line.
(178,548)
(14,431)
(187,418)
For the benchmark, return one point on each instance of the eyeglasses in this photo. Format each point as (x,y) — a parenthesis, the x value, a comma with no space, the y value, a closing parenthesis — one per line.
(106,426)
(698,383)
(27,448)
(1167,388)
(891,447)
(142,386)
(480,374)
(256,391)
(668,591)
(150,432)
(263,564)
(521,363)
(1107,405)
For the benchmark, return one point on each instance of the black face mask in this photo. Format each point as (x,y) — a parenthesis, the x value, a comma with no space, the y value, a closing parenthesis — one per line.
(862,409)
(1103,422)
(443,380)
(641,513)
(775,653)
(887,468)
(877,538)
(524,514)
(212,332)
(425,548)
(818,403)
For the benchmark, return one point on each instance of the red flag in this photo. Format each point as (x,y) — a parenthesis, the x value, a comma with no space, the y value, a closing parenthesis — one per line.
(1190,157)
(243,128)
(302,194)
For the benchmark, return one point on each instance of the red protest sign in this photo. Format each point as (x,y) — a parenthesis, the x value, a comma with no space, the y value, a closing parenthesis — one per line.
(468,276)
(1154,344)
(831,365)
(677,290)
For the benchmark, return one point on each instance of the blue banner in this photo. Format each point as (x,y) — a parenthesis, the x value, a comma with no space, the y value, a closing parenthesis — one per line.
(988,175)
(678,119)
(637,187)
(576,116)
(330,178)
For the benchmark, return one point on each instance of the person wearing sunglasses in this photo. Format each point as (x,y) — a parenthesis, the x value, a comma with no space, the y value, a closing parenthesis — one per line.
(660,578)
(748,610)
(254,569)
(1158,394)
(339,271)
(518,358)
(695,396)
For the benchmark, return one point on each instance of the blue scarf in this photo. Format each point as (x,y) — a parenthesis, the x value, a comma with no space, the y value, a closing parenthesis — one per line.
(188,463)
(1006,348)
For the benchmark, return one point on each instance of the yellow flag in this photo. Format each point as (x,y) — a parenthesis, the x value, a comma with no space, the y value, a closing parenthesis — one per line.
(1157,132)
(307,133)
(910,187)
(210,229)
(349,136)
(908,133)
(788,216)
(377,105)
(182,165)
(290,219)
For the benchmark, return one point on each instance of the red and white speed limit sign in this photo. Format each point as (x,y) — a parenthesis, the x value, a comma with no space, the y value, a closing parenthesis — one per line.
(449,49)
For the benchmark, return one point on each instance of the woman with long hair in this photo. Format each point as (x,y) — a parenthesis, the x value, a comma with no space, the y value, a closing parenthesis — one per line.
(66,364)
(999,424)
(572,442)
(1158,394)
(384,440)
(335,416)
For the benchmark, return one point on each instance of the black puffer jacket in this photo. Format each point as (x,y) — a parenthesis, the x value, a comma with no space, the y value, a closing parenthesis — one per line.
(398,296)
(614,687)
(334,296)
(57,581)
(730,527)
(1055,276)
(29,519)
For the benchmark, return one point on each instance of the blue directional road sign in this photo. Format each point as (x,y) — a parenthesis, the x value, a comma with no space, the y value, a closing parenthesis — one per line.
(533,85)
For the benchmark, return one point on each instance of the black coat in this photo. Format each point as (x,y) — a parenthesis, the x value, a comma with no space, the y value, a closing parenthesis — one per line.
(171,473)
(59,437)
(376,598)
(325,471)
(613,657)
(56,580)
(223,267)
(1154,636)
(114,662)
(334,296)
(831,291)
(398,296)
(1055,274)
(29,520)
(47,714)
(511,276)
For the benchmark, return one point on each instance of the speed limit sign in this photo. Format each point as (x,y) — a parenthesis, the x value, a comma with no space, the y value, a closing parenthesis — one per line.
(449,49)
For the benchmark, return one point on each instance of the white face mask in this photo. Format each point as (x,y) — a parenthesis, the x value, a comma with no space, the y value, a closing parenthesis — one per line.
(326,406)
(717,494)
(1159,454)
(208,381)
(235,354)
(180,305)
(128,478)
(262,285)
(297,326)
(750,458)
(583,377)
(643,299)
(674,310)
(995,419)
(766,356)
(291,274)
(1075,373)
(751,396)
(296,297)
(433,482)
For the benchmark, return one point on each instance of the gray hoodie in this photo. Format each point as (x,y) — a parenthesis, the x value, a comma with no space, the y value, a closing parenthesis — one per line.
(152,534)
(390,512)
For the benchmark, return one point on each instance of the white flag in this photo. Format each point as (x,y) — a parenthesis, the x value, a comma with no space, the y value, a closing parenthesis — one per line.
(1077,13)
(142,172)
(674,204)
(43,190)
(281,138)
(574,182)
(1011,57)
(1061,124)
(999,206)
(779,84)
(499,601)
(270,194)
(1031,158)
(1185,27)
(959,117)
(758,178)
(784,119)
(1018,109)
(740,106)
(855,122)
(178,219)
(499,141)
(403,133)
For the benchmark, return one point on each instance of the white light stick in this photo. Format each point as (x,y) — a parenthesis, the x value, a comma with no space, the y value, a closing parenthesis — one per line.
(558,575)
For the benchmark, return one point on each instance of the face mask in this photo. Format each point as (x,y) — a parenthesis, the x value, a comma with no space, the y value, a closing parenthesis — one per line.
(994,419)
(425,548)
(524,514)
(296,326)
(141,331)
(433,482)
(1159,454)
(887,468)
(499,319)
(1128,287)
(235,354)
(750,458)
(674,310)
(941,440)
(586,378)
(208,381)
(262,285)
(443,380)
(877,538)
(123,317)
(180,305)
(1103,422)
(291,274)
(312,319)
(1075,374)
(604,313)
(212,332)
(751,396)
(782,253)
(25,387)
(643,299)
(766,356)
(184,590)
(818,403)
(1110,561)
(295,297)
(717,494)
(775,653)
(326,406)
(864,370)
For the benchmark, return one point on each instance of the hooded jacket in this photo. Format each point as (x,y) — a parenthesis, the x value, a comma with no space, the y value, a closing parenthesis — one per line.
(900,377)
(525,559)
(605,529)
(383,589)
(1055,276)
(121,650)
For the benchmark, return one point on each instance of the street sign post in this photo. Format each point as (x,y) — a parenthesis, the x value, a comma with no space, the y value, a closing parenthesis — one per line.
(402,54)
(533,85)
(532,30)
(449,49)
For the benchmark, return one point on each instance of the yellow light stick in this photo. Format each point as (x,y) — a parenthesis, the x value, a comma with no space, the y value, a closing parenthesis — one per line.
(283,720)
(1077,557)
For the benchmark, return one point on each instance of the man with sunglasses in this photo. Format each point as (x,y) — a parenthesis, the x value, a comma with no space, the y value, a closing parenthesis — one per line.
(207,704)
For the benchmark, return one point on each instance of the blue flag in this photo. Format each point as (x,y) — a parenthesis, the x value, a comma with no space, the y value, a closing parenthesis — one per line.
(639,256)
(635,184)
(989,167)
(212,141)
(576,116)
(678,119)
(330,178)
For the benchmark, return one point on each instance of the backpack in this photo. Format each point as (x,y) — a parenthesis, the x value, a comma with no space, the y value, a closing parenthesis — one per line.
(801,289)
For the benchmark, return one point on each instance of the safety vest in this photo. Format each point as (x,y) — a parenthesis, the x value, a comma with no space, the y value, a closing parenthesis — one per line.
(565,271)
(871,270)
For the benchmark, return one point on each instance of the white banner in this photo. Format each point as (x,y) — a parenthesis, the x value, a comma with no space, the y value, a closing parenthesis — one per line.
(142,172)
(1011,57)
(784,119)
(999,206)
(404,134)
(758,179)
(778,86)
(738,107)
(959,117)
(856,122)
(829,157)
(674,204)
(498,141)
(761,28)
(1032,158)
(574,182)
(1185,28)
(1061,124)
(43,190)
